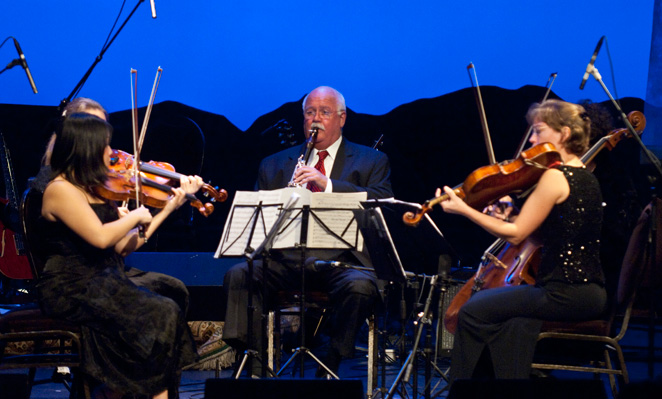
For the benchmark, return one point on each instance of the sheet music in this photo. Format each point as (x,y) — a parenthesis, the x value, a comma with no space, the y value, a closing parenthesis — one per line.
(241,217)
(290,234)
(333,209)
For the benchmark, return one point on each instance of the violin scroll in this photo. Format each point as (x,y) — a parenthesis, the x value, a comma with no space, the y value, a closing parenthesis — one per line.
(413,219)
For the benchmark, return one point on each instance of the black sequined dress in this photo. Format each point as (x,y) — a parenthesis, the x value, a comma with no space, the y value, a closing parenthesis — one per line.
(135,341)
(504,322)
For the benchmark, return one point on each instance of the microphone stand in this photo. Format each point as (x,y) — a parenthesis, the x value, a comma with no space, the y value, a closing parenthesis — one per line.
(12,64)
(80,84)
(651,157)
(424,320)
(656,165)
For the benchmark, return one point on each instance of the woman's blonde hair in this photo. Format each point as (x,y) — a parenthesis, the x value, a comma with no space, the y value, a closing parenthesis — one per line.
(76,106)
(559,114)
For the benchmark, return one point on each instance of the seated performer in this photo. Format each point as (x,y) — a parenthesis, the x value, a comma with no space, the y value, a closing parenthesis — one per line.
(135,341)
(498,328)
(159,283)
(347,167)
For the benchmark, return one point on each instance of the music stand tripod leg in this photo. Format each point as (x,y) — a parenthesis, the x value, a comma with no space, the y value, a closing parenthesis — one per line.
(302,350)
(250,354)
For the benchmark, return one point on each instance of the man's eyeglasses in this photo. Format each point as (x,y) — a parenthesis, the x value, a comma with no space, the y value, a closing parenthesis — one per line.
(324,113)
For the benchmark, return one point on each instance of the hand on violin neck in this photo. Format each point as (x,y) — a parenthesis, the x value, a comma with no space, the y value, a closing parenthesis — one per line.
(191,184)
(177,199)
(453,204)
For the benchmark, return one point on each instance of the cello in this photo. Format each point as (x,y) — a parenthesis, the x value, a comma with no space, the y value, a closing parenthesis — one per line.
(517,264)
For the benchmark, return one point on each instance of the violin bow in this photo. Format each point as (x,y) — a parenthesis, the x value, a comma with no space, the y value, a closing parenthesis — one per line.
(525,138)
(148,112)
(136,144)
(481,112)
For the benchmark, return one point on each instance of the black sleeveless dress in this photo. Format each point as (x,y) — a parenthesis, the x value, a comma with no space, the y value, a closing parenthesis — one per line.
(504,322)
(135,341)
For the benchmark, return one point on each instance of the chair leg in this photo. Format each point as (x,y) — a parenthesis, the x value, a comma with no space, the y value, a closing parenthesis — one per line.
(271,344)
(32,371)
(621,362)
(80,386)
(612,379)
(372,356)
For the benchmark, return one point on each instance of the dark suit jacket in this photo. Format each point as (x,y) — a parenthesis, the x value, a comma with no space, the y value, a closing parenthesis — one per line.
(356,168)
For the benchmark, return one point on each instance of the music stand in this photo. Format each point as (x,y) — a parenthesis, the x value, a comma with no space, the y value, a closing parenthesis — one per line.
(418,247)
(377,238)
(299,232)
(306,215)
(250,254)
(388,265)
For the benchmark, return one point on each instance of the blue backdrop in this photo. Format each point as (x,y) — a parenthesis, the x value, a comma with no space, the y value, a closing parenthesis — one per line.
(244,59)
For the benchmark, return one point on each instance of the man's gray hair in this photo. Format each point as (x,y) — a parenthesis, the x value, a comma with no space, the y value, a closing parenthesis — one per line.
(340,99)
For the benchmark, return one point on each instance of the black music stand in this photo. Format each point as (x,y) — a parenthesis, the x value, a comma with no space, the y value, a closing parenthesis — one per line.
(306,215)
(250,254)
(389,266)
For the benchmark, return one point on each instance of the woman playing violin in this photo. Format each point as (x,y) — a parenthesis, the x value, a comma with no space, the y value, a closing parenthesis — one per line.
(498,328)
(159,283)
(135,340)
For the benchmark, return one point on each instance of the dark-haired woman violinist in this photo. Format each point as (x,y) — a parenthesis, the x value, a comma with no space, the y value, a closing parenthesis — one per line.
(135,341)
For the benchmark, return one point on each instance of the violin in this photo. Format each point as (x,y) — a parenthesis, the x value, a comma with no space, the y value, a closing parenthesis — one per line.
(160,172)
(489,183)
(122,187)
(156,185)
(517,264)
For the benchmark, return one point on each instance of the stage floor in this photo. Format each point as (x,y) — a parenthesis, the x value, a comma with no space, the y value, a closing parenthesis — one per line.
(193,382)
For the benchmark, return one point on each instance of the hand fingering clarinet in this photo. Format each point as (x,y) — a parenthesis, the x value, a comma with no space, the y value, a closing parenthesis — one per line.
(303,158)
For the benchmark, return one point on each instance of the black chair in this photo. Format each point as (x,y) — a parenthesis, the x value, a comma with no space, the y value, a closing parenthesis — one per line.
(603,334)
(48,342)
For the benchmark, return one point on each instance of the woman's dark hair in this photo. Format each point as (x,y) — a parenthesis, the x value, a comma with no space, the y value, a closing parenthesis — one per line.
(602,122)
(79,148)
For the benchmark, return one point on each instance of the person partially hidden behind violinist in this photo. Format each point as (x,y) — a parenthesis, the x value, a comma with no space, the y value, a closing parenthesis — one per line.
(348,167)
(135,341)
(498,328)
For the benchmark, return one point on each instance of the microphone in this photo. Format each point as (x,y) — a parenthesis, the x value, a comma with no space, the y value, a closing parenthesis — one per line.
(24,64)
(444,266)
(318,265)
(589,67)
(151,3)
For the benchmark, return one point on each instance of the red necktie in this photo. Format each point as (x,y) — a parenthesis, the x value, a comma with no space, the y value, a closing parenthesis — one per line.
(319,166)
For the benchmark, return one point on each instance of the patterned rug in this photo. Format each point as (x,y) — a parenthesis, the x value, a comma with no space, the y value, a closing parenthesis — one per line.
(214,352)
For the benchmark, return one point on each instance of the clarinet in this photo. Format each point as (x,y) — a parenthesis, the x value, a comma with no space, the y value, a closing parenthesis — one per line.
(303,158)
